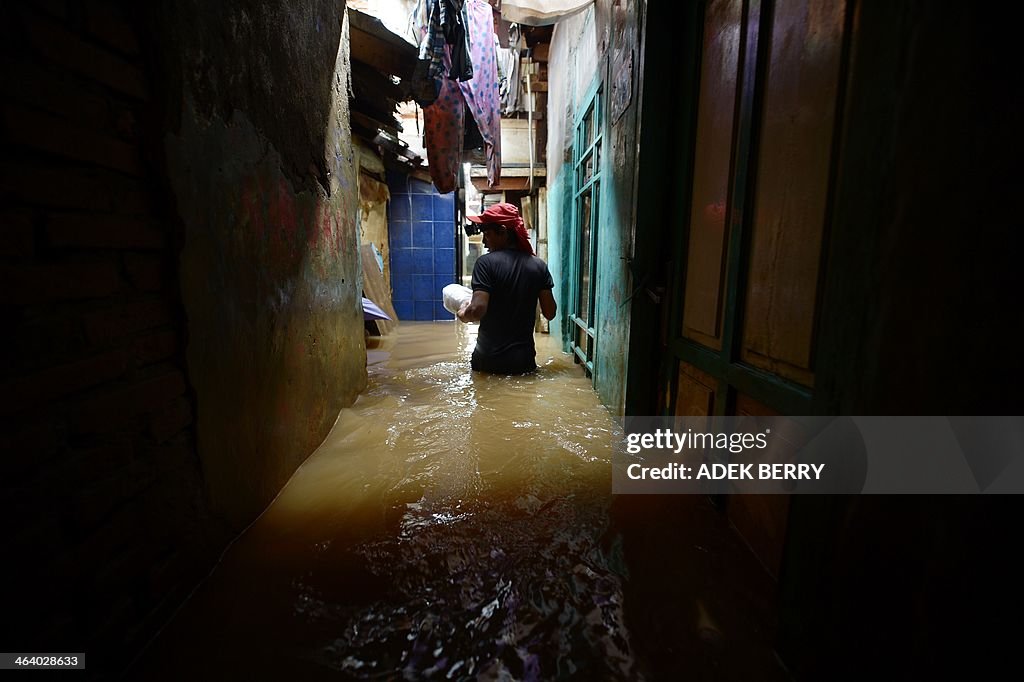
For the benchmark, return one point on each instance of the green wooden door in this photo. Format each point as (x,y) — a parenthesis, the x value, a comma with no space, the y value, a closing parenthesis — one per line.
(745,299)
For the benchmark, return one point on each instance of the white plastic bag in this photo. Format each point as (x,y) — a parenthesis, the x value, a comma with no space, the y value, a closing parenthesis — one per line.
(455,295)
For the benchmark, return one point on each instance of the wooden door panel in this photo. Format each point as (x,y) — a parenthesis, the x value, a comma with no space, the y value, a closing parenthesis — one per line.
(695,392)
(760,519)
(801,88)
(705,269)
(763,133)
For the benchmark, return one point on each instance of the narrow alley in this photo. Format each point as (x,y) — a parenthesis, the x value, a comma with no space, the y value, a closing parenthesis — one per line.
(241,432)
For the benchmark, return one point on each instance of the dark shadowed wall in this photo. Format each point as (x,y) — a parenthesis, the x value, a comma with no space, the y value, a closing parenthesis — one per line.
(179,282)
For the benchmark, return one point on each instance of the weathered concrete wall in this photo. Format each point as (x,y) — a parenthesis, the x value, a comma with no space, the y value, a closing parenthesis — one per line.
(599,45)
(264,174)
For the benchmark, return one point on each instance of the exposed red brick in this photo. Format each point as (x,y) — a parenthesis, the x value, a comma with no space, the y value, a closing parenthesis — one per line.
(170,457)
(108,614)
(101,486)
(167,573)
(126,125)
(145,272)
(98,461)
(66,49)
(161,471)
(25,443)
(124,528)
(55,7)
(154,347)
(48,341)
(130,200)
(39,532)
(176,500)
(74,187)
(27,83)
(79,188)
(16,234)
(29,284)
(109,409)
(86,504)
(108,324)
(58,136)
(102,231)
(153,611)
(105,24)
(171,421)
(130,566)
(26,392)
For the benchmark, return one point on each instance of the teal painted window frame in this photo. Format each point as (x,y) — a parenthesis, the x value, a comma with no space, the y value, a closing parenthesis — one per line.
(586,148)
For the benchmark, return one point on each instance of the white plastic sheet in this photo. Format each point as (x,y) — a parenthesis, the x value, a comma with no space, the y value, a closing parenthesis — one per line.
(541,12)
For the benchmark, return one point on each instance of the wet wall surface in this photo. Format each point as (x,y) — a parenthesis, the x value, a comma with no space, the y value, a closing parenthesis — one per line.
(262,166)
(460,526)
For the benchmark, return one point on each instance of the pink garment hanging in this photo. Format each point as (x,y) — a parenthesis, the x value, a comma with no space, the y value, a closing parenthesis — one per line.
(481,92)
(443,123)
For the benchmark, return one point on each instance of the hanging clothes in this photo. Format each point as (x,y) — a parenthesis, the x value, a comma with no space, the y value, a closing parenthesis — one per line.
(445,26)
(481,92)
(456,34)
(430,69)
(443,123)
(432,46)
(444,116)
(511,88)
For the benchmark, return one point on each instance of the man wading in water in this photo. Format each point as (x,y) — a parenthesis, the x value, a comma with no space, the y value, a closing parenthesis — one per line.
(508,281)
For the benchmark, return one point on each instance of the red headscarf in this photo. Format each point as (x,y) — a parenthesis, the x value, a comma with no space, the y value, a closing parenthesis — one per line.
(508,216)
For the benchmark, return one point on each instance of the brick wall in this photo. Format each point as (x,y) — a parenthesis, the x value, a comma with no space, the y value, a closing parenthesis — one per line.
(106,520)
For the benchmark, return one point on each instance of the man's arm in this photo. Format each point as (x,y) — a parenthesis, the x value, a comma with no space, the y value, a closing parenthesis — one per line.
(475,310)
(547,304)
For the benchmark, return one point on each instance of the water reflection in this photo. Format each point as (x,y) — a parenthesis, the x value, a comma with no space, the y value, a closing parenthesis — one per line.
(494,494)
(451,525)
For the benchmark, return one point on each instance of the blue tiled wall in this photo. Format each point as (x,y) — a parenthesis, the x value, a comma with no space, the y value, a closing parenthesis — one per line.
(421,225)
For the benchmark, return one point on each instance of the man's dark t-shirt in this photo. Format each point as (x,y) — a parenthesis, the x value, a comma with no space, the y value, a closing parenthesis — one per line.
(514,280)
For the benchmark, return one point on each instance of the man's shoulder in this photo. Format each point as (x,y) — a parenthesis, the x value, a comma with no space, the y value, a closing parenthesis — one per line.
(538,263)
(509,256)
(500,256)
(488,260)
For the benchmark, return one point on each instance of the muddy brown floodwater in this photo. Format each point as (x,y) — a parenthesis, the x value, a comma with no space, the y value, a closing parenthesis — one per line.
(455,525)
